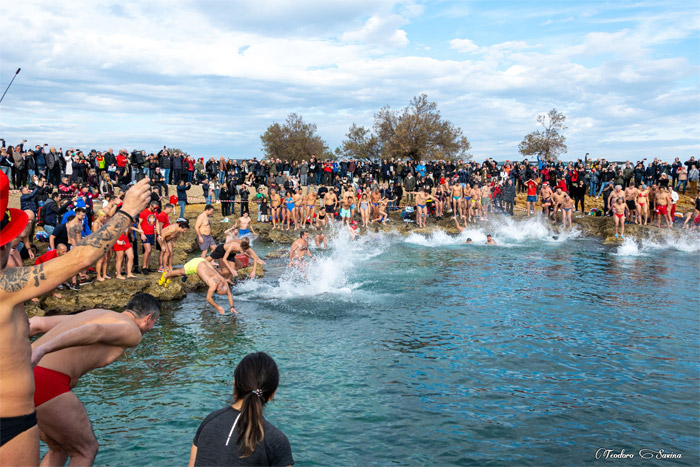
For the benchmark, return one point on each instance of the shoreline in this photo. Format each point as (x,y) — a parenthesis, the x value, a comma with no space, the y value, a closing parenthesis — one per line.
(114,293)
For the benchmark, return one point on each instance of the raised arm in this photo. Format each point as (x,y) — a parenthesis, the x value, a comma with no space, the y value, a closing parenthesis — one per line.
(20,284)
(119,334)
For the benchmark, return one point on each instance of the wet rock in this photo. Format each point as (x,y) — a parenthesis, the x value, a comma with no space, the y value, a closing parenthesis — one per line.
(281,253)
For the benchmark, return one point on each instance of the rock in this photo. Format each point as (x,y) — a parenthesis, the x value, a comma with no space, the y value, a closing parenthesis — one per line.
(281,253)
(112,294)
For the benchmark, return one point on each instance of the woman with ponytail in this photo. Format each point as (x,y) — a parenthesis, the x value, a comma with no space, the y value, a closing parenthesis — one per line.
(238,434)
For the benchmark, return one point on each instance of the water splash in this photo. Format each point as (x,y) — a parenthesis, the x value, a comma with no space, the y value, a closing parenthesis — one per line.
(689,242)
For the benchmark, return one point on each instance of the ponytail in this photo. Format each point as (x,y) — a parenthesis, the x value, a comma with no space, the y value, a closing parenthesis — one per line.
(255,381)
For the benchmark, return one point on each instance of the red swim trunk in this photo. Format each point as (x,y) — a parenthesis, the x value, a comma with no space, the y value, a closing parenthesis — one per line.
(49,384)
(661,210)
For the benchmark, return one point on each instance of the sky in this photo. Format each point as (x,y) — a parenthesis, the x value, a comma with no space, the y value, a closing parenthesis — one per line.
(209,76)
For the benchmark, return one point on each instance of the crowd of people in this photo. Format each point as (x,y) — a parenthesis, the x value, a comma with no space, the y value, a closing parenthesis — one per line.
(97,207)
(36,398)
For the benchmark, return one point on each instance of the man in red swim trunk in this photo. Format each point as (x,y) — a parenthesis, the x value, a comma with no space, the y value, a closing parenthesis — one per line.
(663,198)
(70,347)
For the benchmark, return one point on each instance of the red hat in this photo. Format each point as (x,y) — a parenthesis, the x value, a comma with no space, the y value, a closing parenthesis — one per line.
(13,221)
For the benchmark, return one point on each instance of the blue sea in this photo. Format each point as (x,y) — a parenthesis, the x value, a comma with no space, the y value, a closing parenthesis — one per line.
(545,349)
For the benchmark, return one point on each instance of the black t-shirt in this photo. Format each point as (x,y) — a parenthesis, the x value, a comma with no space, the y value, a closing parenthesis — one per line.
(212,450)
(61,235)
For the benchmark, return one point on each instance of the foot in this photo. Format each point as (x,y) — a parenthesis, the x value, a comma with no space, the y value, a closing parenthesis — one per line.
(130,275)
(121,277)
(616,235)
(100,279)
(56,294)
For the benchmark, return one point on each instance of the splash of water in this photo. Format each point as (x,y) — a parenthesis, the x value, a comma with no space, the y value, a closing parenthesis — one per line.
(688,243)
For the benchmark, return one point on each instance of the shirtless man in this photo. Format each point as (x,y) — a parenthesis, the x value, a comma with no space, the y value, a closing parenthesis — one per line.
(471,198)
(619,208)
(320,239)
(557,200)
(631,201)
(298,215)
(299,249)
(168,236)
(203,230)
(345,208)
(457,201)
(567,206)
(70,347)
(546,198)
(618,192)
(310,205)
(275,202)
(374,199)
(663,200)
(245,226)
(490,240)
(695,215)
(485,197)
(230,249)
(421,207)
(207,274)
(330,201)
(19,444)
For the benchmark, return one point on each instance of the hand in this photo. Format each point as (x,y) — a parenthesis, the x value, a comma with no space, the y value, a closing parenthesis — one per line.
(220,310)
(200,239)
(137,198)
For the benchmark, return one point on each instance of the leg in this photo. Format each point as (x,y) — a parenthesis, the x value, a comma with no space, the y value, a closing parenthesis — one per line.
(129,263)
(120,259)
(65,423)
(23,449)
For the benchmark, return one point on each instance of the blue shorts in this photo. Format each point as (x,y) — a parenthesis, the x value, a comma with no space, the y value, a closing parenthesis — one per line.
(244,233)
(151,239)
(532,199)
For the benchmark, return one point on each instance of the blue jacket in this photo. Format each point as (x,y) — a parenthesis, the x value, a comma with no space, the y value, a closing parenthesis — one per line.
(27,203)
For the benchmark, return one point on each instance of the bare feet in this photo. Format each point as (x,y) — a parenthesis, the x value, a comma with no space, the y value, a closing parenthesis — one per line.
(130,275)
(56,294)
(121,277)
(100,279)
(35,300)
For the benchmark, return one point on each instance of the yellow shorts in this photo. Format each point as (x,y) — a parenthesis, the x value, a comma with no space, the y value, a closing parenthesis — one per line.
(191,266)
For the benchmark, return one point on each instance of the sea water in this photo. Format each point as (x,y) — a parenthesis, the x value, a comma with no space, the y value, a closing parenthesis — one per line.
(545,349)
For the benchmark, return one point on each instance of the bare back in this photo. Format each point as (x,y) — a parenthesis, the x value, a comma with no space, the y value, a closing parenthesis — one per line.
(76,361)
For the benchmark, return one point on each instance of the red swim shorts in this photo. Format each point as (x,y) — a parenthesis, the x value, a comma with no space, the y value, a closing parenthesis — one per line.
(49,384)
(662,210)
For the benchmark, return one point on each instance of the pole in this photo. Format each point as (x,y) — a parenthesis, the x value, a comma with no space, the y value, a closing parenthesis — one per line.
(8,86)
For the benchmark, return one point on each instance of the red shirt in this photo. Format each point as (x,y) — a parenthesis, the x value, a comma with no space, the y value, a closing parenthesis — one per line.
(148,222)
(48,256)
(121,160)
(531,188)
(163,219)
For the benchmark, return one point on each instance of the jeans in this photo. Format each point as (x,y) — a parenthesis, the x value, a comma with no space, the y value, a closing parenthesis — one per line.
(182,207)
(684,182)
(48,228)
(602,187)
(177,176)
(190,174)
(304,179)
(222,177)
(166,175)
(591,189)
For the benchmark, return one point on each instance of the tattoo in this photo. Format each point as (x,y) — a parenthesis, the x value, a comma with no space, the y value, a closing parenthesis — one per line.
(15,279)
(104,238)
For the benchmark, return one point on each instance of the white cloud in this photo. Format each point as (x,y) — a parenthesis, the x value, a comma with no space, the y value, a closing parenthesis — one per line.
(464,45)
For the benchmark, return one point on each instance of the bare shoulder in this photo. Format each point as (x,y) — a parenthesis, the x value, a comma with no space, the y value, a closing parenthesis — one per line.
(13,280)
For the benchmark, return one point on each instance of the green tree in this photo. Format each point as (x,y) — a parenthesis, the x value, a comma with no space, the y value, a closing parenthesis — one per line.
(419,132)
(547,144)
(415,132)
(295,140)
(360,143)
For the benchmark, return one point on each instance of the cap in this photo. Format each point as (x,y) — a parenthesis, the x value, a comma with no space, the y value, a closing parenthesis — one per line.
(13,221)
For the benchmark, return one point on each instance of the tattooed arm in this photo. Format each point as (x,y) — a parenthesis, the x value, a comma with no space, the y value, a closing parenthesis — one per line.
(24,283)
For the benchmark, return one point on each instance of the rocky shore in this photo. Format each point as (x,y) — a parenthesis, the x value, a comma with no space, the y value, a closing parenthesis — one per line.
(114,294)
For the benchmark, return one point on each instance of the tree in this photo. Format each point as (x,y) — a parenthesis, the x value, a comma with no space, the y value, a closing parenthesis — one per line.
(547,144)
(360,143)
(294,141)
(415,132)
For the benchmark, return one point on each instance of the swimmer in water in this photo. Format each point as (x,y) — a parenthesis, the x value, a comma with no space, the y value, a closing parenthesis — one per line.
(490,240)
(299,249)
(320,239)
(469,240)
